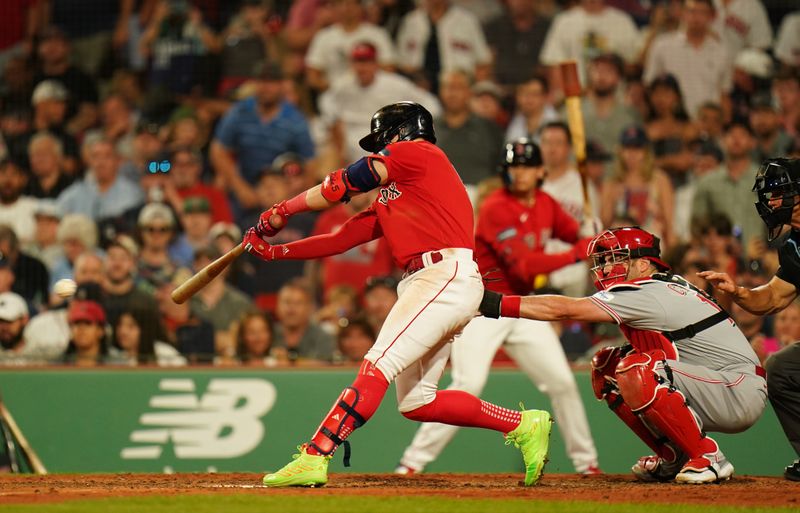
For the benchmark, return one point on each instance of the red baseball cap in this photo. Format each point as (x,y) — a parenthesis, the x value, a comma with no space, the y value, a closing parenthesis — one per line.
(85,310)
(364,52)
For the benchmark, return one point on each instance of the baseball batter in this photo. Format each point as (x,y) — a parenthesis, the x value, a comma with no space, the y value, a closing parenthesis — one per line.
(423,211)
(688,369)
(778,188)
(514,226)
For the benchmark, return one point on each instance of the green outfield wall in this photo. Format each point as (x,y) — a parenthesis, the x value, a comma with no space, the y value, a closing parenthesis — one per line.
(245,420)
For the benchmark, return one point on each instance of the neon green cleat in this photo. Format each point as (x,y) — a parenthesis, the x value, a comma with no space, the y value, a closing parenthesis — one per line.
(306,470)
(532,437)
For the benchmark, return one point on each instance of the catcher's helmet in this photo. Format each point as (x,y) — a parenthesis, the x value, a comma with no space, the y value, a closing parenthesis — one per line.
(522,152)
(612,248)
(408,120)
(777,186)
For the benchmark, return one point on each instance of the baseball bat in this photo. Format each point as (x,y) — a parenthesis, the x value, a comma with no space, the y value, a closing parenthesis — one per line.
(204,276)
(572,93)
(36,464)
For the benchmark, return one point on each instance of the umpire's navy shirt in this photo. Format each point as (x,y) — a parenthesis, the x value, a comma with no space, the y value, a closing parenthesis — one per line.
(257,142)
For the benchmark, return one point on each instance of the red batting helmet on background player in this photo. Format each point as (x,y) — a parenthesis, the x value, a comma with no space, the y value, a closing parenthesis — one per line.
(612,249)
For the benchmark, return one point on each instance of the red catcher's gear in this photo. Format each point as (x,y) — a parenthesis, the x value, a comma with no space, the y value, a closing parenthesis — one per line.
(612,249)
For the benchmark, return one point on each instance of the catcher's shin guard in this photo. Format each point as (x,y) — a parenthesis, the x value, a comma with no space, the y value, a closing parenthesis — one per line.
(659,404)
(356,404)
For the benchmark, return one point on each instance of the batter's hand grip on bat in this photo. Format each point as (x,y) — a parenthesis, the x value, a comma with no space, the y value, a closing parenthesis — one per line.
(204,276)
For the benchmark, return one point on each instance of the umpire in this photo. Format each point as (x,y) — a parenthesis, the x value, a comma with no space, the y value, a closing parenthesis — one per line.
(778,188)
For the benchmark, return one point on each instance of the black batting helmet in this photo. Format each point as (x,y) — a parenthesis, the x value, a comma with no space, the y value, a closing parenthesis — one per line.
(522,152)
(777,179)
(407,120)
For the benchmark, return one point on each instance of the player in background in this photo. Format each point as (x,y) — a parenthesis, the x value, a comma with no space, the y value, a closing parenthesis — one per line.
(514,225)
(778,188)
(423,211)
(687,368)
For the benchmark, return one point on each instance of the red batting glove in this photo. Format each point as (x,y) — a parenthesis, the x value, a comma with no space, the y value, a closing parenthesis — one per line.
(254,244)
(265,227)
(581,249)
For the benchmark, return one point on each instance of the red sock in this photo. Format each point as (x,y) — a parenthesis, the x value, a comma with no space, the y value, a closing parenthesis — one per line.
(459,408)
(356,404)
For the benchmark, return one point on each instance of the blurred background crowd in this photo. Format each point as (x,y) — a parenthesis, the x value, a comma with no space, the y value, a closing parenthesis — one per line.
(140,138)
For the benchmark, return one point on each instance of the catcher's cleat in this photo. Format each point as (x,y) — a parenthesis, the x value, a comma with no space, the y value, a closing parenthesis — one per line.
(305,470)
(792,472)
(532,437)
(708,468)
(653,469)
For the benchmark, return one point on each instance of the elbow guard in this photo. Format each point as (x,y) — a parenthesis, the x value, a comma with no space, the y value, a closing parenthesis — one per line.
(334,187)
(359,176)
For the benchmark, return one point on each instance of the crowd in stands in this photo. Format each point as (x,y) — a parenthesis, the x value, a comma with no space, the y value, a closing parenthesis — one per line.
(140,138)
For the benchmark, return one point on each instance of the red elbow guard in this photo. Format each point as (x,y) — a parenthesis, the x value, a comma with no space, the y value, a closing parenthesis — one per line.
(334,187)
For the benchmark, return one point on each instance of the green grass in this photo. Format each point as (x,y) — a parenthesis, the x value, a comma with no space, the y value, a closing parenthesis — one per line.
(328,504)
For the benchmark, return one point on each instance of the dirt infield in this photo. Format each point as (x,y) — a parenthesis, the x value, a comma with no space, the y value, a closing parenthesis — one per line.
(741,491)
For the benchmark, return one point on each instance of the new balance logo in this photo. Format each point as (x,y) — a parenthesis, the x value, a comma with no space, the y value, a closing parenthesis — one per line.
(223,422)
(388,193)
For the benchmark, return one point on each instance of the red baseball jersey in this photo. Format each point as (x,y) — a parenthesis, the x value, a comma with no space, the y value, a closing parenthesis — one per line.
(423,206)
(510,240)
(354,266)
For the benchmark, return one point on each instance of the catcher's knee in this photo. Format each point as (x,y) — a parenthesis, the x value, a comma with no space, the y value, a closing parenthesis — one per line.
(604,369)
(637,379)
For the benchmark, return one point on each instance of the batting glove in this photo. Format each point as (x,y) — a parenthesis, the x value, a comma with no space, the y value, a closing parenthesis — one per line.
(264,227)
(254,244)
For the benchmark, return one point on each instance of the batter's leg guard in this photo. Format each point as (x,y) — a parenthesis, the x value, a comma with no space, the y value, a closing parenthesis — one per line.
(662,406)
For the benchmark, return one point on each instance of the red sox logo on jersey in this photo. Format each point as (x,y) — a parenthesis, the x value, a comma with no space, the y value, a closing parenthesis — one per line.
(388,193)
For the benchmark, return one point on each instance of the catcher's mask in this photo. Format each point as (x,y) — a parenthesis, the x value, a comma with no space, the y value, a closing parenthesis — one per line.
(777,186)
(612,251)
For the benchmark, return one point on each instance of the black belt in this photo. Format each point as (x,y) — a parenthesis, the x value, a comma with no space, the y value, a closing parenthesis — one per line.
(417,263)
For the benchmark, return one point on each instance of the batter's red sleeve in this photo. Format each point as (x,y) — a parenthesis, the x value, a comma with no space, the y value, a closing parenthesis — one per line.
(360,228)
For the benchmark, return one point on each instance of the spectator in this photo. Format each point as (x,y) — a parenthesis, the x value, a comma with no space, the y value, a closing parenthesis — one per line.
(361,91)
(177,40)
(224,236)
(604,114)
(771,139)
(159,257)
(752,77)
(255,131)
(187,129)
(752,327)
(473,144)
(7,276)
(354,340)
(327,57)
(76,234)
(584,31)
(192,336)
(380,295)
(742,24)
(120,292)
(295,173)
(488,102)
(665,17)
(786,90)
(13,319)
(118,124)
(254,340)
(19,25)
(104,194)
(305,19)
(15,132)
(147,146)
(46,155)
(219,304)
(787,324)
(49,102)
(29,274)
(136,341)
(437,37)
(711,123)
(16,210)
(45,246)
(787,44)
(340,303)
(184,179)
(54,55)
(697,59)
(303,340)
(533,110)
(354,266)
(516,38)
(88,346)
(196,221)
(638,189)
(667,124)
(389,14)
(725,190)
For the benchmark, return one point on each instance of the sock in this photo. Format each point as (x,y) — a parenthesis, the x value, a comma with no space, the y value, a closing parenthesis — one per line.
(459,408)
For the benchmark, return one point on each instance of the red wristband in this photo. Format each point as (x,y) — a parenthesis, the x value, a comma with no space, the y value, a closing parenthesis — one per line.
(297,204)
(510,305)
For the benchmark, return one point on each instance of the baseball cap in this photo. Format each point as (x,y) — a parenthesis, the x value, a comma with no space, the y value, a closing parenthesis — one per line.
(610,58)
(194,204)
(364,51)
(49,90)
(12,307)
(289,164)
(87,311)
(488,87)
(228,229)
(126,243)
(595,152)
(633,136)
(155,212)
(268,70)
(754,62)
(47,208)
